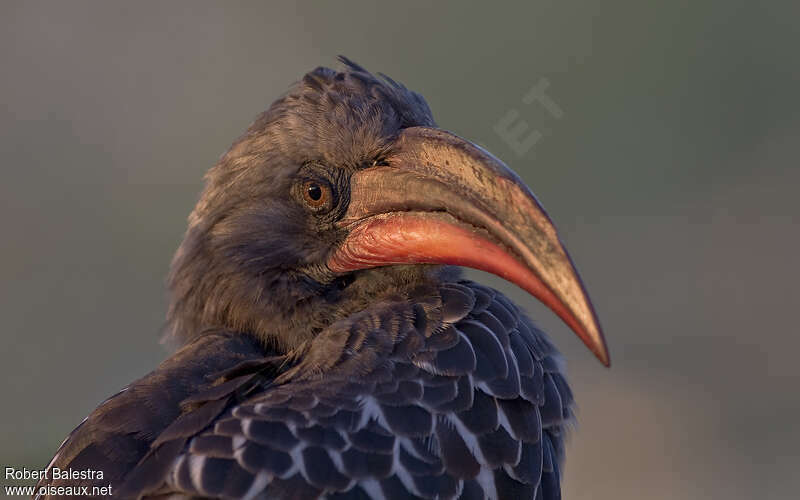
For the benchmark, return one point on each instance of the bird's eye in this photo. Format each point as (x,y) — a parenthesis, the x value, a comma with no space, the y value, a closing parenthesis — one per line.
(314,192)
(317,195)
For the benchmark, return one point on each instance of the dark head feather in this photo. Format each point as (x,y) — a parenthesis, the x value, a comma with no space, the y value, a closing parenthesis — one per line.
(251,258)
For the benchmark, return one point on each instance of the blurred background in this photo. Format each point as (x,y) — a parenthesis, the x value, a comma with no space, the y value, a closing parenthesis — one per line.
(670,164)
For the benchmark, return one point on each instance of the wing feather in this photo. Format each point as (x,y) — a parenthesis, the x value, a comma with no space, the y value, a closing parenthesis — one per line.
(448,393)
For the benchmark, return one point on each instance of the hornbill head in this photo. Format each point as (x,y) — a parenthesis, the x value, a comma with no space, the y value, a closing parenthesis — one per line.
(345,191)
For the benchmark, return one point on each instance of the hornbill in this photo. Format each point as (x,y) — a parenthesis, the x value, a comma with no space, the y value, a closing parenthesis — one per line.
(328,346)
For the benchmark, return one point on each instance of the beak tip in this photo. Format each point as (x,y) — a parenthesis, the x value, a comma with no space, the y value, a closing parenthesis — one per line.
(597,344)
(600,349)
(604,358)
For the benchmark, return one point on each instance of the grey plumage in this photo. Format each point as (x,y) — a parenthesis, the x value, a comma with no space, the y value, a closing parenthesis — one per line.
(401,381)
(433,438)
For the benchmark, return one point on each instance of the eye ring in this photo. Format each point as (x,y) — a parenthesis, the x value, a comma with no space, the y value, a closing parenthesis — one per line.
(317,195)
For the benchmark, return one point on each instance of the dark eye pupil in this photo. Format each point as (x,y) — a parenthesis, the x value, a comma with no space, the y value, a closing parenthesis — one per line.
(314,192)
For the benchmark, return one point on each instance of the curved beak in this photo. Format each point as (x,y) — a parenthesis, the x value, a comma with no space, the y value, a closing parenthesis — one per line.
(444,200)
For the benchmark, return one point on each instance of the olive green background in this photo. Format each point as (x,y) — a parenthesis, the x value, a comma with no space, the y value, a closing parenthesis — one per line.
(672,175)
